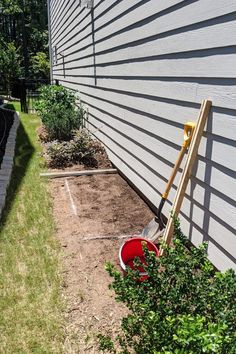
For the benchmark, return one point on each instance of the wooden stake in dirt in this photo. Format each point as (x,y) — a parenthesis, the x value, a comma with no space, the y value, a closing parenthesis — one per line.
(77,173)
(193,149)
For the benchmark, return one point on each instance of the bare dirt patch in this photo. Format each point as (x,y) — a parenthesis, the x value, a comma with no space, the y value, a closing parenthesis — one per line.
(87,207)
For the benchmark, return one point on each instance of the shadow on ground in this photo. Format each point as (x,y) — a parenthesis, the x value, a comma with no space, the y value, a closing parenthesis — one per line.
(10,106)
(23,153)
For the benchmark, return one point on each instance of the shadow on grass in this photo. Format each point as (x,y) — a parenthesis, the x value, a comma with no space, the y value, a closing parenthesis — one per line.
(10,106)
(23,153)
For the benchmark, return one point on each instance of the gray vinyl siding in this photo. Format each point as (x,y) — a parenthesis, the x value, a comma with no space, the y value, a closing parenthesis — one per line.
(142,69)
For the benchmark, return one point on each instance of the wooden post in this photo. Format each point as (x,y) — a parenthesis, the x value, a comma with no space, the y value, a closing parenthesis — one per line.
(193,149)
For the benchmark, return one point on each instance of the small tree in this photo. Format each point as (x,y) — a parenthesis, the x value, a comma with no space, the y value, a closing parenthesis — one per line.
(9,65)
(40,66)
(184,307)
(58,111)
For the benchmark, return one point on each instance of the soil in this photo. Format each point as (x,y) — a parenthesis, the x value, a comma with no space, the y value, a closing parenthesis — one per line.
(93,214)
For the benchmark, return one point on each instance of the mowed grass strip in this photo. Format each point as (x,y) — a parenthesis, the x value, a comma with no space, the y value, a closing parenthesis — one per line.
(30,305)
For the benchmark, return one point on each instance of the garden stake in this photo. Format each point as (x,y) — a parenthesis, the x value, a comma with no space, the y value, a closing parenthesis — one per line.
(198,131)
(78,173)
(156,226)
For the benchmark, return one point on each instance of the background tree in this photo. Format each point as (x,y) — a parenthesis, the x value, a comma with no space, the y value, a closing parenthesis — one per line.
(40,65)
(9,65)
(23,24)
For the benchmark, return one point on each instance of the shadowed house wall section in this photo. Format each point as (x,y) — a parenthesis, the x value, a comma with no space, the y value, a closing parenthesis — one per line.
(142,68)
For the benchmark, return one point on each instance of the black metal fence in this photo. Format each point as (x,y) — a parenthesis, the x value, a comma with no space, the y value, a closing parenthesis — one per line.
(28,92)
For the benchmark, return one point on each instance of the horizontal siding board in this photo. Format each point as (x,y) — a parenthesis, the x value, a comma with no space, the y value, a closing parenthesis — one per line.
(139,182)
(68,27)
(83,39)
(198,195)
(153,27)
(142,68)
(167,111)
(146,158)
(77,17)
(65,7)
(108,135)
(112,12)
(213,230)
(165,154)
(220,35)
(55,8)
(186,16)
(52,4)
(119,9)
(220,151)
(218,255)
(76,45)
(79,33)
(207,198)
(202,66)
(135,8)
(185,65)
(216,176)
(101,7)
(222,93)
(215,9)
(173,112)
(56,15)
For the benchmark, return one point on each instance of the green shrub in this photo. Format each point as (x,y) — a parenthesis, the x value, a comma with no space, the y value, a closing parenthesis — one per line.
(184,307)
(58,111)
(41,65)
(80,149)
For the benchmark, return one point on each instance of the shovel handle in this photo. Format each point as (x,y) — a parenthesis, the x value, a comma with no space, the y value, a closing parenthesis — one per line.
(158,218)
(188,133)
(201,121)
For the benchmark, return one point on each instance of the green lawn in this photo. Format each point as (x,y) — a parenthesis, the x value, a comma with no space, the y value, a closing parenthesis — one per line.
(30,304)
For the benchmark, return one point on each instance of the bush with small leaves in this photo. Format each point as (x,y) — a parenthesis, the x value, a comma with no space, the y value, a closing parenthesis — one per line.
(184,307)
(80,149)
(58,111)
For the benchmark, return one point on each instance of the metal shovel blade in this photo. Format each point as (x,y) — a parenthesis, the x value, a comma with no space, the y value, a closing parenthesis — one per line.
(156,226)
(152,231)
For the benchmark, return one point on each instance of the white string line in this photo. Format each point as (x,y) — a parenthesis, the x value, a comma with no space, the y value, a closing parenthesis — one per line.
(73,206)
(114,237)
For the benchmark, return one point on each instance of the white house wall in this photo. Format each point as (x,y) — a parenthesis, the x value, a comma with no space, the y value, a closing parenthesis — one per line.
(142,68)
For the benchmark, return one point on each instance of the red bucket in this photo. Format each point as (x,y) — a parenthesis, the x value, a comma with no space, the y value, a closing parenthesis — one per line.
(133,248)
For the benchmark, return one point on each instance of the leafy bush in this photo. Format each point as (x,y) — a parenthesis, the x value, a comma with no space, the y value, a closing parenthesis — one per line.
(184,307)
(81,148)
(9,64)
(41,65)
(58,111)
